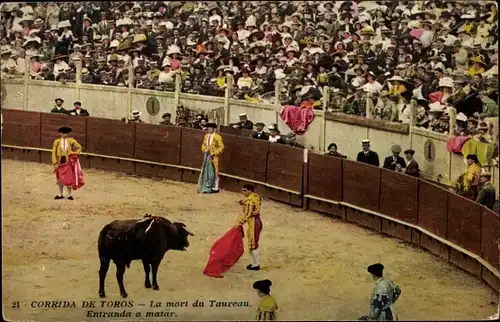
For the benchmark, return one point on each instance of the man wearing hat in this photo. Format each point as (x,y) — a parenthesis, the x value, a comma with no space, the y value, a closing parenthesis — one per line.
(383,297)
(394,162)
(212,147)
(244,123)
(267,305)
(251,216)
(412,168)
(259,134)
(469,181)
(62,150)
(78,110)
(486,195)
(135,117)
(166,120)
(58,107)
(368,156)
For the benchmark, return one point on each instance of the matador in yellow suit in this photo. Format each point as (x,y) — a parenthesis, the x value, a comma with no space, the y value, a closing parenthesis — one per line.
(62,149)
(251,216)
(212,148)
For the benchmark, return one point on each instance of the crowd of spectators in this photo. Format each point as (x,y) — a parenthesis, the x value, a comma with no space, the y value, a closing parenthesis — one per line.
(379,57)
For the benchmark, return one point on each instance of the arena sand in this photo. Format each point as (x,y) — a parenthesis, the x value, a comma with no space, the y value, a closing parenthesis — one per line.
(317,264)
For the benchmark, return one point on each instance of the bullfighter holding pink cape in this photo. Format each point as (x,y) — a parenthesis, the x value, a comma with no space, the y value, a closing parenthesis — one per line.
(66,161)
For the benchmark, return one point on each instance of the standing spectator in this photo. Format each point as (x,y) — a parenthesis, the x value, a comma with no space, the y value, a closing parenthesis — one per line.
(394,162)
(166,120)
(58,108)
(332,151)
(275,136)
(78,110)
(486,195)
(412,168)
(243,123)
(368,156)
(135,117)
(469,181)
(259,134)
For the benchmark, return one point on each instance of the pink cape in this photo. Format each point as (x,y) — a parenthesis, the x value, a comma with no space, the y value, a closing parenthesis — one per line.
(455,143)
(70,174)
(297,119)
(416,33)
(225,253)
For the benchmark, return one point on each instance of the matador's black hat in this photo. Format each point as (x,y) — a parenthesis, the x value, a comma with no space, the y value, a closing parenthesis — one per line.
(64,130)
(263,285)
(376,269)
(212,125)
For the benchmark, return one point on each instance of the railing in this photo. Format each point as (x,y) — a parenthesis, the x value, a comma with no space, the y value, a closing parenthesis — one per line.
(447,225)
(436,163)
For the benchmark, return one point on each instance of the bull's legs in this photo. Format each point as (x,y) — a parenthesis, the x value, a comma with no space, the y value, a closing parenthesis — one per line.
(120,271)
(103,270)
(154,269)
(147,269)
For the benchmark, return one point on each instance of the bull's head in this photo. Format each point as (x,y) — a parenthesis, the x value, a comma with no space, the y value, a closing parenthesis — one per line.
(180,238)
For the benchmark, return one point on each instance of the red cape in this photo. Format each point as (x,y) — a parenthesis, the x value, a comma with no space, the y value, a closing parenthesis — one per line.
(225,253)
(70,174)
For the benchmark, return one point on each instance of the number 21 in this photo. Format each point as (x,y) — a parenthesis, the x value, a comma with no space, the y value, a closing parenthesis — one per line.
(15,305)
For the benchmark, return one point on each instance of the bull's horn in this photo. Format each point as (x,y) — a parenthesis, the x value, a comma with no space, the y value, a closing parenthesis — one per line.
(189,233)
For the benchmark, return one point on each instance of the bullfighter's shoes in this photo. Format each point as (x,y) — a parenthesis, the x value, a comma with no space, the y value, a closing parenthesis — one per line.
(253,268)
(58,197)
(70,198)
(215,191)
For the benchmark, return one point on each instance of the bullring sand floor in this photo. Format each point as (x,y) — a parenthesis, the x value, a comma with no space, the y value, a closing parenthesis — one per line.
(317,264)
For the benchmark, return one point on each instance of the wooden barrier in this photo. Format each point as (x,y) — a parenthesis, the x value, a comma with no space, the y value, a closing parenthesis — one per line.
(452,227)
(361,184)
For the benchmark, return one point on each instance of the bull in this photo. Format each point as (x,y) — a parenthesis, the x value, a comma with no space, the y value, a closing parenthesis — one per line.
(123,241)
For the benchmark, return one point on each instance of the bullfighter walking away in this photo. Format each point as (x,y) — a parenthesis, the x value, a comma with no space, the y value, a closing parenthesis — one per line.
(383,297)
(267,305)
(212,148)
(65,151)
(251,216)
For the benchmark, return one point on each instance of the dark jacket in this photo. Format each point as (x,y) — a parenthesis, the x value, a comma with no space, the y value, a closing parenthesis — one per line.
(390,163)
(412,169)
(336,154)
(83,112)
(60,111)
(166,123)
(260,136)
(371,158)
(486,195)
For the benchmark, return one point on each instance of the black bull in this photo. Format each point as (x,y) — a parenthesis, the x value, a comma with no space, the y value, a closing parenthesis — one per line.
(148,240)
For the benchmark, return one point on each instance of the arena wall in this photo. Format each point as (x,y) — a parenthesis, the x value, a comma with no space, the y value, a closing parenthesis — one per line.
(418,212)
(345,130)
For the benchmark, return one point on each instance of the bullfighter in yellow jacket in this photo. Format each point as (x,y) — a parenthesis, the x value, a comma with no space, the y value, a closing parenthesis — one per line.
(251,216)
(62,148)
(212,147)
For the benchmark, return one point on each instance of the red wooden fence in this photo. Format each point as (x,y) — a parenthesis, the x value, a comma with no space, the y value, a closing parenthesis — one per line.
(395,204)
